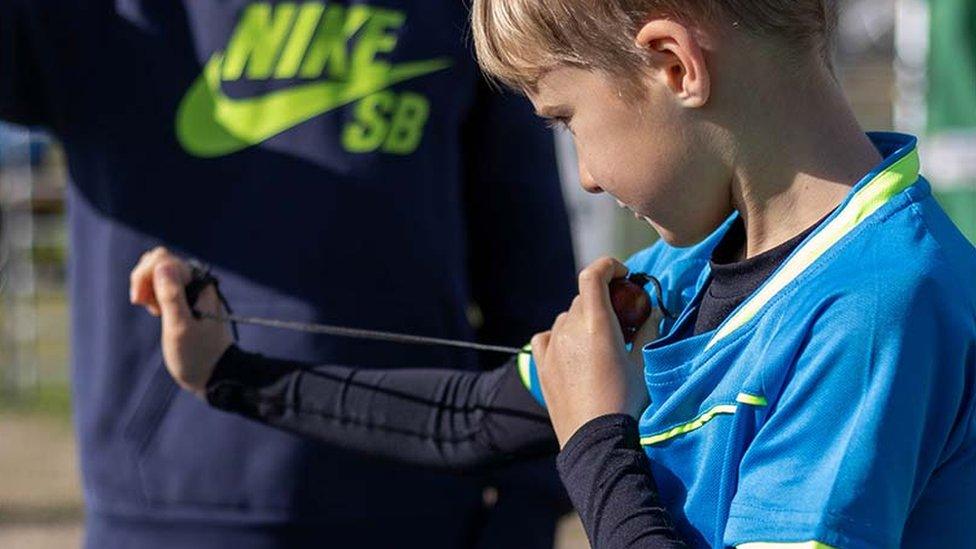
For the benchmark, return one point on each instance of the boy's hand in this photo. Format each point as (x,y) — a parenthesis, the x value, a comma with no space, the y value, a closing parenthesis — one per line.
(191,347)
(584,367)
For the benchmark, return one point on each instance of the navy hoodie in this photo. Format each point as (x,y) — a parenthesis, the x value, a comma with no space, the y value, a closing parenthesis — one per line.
(338,163)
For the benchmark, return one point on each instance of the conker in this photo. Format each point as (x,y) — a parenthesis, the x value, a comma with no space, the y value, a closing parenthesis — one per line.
(631,303)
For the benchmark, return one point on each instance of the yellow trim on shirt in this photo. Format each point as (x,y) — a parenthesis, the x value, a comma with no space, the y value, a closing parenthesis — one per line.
(888,183)
(695,424)
(751,399)
(525,367)
(779,545)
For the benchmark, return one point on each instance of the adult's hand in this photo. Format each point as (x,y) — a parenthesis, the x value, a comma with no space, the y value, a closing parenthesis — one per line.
(585,368)
(191,347)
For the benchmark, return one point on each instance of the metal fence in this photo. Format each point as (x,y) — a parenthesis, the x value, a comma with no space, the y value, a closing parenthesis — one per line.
(33,338)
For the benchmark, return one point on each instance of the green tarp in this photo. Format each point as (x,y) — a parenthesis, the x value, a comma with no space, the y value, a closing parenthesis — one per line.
(951,102)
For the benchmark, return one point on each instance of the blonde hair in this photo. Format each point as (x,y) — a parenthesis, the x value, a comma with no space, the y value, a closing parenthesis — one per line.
(516,41)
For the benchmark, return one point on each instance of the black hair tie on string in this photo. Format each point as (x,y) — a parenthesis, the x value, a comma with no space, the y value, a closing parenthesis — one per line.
(200,278)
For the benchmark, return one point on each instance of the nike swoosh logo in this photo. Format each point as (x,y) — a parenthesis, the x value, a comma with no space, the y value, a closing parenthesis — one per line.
(211,124)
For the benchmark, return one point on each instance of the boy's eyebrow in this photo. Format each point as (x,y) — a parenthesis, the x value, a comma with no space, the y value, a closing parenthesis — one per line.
(550,111)
(543,112)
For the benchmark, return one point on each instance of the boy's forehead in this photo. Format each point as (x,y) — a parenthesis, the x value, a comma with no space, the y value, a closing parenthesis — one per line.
(565,83)
(542,95)
(557,82)
(557,77)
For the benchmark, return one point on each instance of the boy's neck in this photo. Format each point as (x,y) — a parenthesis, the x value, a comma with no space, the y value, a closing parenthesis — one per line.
(798,161)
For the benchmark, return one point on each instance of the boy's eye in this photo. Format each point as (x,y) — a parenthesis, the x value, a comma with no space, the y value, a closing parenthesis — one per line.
(558,122)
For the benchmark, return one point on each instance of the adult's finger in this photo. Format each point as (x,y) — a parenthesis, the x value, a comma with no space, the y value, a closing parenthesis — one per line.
(141,279)
(208,302)
(170,278)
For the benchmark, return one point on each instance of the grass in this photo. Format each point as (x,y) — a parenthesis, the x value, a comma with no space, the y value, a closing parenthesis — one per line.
(53,399)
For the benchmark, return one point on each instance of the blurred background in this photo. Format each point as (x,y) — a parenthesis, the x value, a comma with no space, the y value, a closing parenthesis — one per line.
(908,65)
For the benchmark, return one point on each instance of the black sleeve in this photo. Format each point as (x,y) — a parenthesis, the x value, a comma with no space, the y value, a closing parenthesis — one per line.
(454,420)
(438,418)
(608,477)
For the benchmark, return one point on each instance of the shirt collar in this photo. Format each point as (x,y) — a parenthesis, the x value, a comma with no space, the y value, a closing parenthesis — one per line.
(898,171)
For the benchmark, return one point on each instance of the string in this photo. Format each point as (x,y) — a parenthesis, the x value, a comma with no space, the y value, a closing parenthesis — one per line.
(359,333)
(201,278)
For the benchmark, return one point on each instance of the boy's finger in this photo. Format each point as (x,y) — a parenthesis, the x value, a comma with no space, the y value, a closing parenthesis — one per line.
(576,306)
(540,343)
(594,284)
(560,319)
(647,333)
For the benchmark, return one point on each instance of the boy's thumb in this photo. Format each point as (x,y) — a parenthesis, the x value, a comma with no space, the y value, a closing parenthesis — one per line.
(170,280)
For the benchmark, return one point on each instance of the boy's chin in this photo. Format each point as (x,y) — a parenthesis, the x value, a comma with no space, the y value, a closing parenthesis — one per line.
(680,238)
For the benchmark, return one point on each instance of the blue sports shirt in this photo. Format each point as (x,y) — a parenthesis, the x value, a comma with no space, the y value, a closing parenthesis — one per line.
(835,406)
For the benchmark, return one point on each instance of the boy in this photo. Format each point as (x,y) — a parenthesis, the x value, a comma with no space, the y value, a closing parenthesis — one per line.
(817,388)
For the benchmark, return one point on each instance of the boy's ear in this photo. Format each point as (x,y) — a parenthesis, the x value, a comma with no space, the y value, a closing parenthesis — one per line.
(676,60)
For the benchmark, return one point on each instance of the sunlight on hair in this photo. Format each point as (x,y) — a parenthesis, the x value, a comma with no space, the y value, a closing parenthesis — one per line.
(517,41)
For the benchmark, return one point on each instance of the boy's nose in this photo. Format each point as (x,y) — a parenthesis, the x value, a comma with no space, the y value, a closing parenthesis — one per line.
(586,180)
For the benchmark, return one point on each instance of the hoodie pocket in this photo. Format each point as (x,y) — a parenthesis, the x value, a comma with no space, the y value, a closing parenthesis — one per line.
(155,400)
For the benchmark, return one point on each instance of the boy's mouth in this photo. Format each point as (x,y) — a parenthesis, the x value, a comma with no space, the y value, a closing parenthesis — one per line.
(637,215)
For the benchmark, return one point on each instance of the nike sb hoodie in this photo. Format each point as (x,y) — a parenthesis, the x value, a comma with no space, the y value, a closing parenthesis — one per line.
(339,163)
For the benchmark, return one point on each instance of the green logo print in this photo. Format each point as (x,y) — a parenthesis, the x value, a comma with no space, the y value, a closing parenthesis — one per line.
(307,41)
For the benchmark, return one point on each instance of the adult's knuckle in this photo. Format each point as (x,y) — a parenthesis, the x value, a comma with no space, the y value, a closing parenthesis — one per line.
(150,255)
(171,293)
(183,375)
(166,290)
(177,332)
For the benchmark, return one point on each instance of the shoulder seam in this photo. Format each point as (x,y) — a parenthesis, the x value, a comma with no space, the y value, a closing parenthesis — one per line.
(971,428)
(938,245)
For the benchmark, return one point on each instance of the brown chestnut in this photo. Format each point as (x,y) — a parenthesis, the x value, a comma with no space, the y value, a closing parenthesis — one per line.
(631,303)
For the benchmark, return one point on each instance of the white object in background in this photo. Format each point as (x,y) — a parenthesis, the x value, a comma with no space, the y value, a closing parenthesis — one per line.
(949,156)
(911,60)
(950,159)
(865,23)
